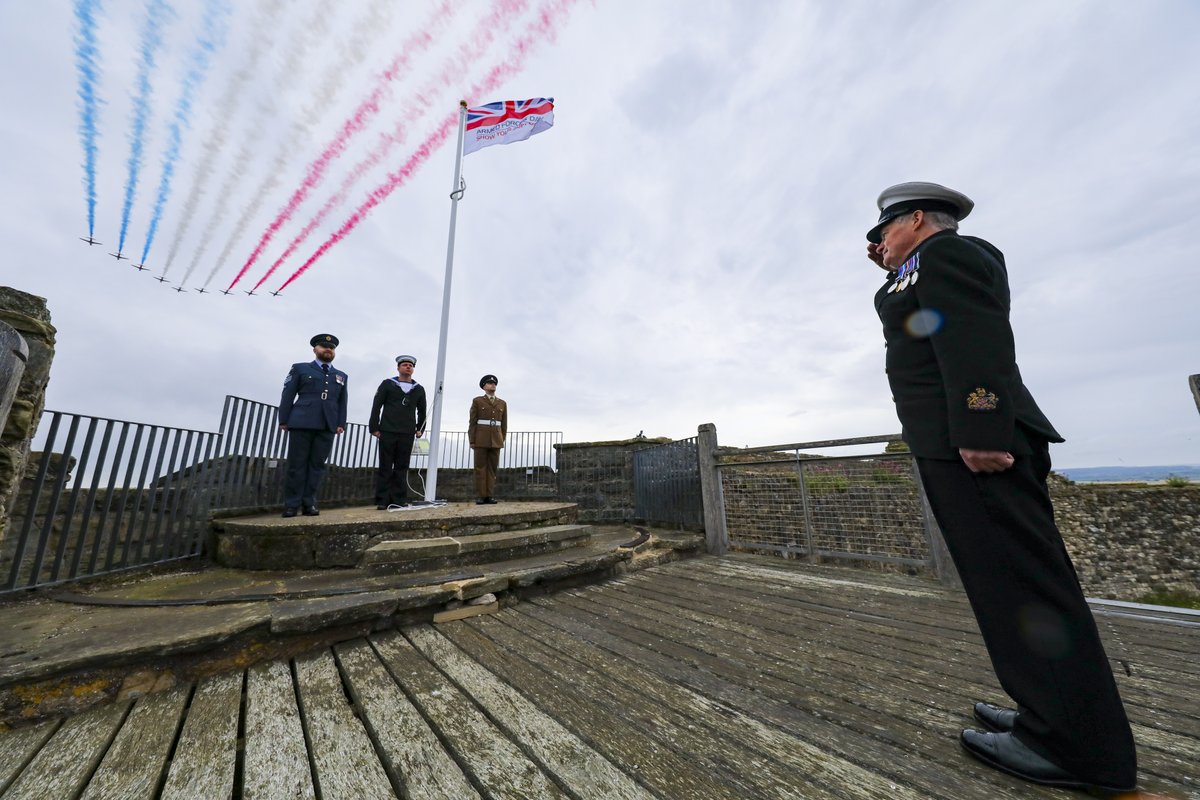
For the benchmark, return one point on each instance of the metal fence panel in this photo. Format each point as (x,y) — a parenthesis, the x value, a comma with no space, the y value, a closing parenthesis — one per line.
(109,495)
(666,485)
(76,518)
(861,508)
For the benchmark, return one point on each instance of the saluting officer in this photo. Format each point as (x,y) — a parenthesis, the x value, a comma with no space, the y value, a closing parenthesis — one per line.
(397,416)
(312,410)
(981,446)
(486,431)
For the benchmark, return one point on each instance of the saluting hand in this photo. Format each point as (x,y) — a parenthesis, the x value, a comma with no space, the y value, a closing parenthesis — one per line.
(986,460)
(873,254)
(341,429)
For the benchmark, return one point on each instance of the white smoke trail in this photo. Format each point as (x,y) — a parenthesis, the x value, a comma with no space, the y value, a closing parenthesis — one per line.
(265,20)
(352,50)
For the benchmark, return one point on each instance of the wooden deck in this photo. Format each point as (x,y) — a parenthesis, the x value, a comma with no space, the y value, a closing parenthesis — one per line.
(738,678)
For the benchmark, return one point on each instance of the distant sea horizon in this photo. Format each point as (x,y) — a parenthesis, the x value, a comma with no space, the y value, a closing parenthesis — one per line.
(1130,474)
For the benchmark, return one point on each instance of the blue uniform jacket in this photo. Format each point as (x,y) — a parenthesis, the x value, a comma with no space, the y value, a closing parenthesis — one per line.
(313,400)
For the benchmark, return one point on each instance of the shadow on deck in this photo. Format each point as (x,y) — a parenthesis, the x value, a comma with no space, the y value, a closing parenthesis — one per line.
(740,677)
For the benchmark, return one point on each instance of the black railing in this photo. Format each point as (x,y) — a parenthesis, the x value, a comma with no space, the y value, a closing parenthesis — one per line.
(106,495)
(666,485)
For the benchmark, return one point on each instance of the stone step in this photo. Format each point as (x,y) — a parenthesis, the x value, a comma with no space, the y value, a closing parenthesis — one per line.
(340,536)
(409,555)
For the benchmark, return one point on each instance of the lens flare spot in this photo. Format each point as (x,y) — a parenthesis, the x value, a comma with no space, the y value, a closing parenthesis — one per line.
(923,323)
(1044,631)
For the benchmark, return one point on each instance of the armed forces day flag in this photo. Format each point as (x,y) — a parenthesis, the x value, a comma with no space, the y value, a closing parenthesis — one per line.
(506,122)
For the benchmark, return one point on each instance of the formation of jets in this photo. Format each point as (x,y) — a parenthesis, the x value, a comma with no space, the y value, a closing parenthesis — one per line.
(119,256)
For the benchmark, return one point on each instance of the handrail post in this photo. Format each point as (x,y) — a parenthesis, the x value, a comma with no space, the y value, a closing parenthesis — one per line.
(716,534)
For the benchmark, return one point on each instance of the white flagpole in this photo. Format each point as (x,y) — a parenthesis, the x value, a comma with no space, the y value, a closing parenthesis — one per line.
(435,429)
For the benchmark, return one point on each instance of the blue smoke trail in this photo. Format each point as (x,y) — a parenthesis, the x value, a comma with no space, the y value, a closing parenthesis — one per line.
(212,37)
(158,13)
(89,75)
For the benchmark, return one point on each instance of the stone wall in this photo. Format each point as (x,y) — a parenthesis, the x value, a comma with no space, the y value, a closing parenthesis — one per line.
(598,476)
(30,317)
(1127,540)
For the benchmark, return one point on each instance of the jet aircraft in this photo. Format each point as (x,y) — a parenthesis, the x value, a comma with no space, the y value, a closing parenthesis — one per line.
(139,267)
(201,290)
(117,255)
(89,240)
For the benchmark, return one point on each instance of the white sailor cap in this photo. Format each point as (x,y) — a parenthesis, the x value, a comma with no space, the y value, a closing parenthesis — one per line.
(410,359)
(904,198)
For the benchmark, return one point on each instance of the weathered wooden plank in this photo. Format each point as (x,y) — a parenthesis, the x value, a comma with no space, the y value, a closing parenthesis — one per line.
(909,767)
(575,763)
(905,639)
(206,757)
(959,659)
(276,759)
(877,684)
(410,751)
(136,760)
(815,764)
(678,751)
(17,748)
(465,612)
(65,763)
(345,764)
(493,762)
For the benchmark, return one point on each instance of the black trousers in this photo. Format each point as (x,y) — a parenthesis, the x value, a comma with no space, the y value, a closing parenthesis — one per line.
(1039,631)
(391,479)
(308,448)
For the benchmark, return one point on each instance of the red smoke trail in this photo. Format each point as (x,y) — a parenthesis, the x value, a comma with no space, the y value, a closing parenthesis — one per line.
(366,110)
(468,52)
(545,27)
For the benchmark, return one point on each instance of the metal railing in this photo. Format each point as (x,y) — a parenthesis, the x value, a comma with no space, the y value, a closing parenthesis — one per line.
(784,500)
(666,485)
(109,495)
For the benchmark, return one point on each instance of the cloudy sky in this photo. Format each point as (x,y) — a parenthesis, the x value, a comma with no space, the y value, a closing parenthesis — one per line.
(684,246)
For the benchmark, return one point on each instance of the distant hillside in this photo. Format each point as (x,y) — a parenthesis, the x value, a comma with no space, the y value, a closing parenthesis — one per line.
(1130,474)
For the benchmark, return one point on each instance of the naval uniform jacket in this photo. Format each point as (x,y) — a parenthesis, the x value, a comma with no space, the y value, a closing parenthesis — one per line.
(313,400)
(951,361)
(402,412)
(483,430)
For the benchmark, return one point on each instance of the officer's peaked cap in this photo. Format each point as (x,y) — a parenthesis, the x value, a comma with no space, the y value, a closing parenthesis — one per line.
(323,340)
(410,359)
(905,198)
(488,379)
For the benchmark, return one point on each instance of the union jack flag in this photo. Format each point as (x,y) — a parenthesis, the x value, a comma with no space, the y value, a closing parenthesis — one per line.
(507,121)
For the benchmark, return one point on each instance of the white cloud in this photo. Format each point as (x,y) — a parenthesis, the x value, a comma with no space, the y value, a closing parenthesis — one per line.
(685,246)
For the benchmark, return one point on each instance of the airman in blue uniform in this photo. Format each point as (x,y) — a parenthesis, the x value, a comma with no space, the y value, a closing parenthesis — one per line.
(312,410)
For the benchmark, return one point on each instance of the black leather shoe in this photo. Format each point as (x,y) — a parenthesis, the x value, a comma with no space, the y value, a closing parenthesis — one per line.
(491,501)
(1005,752)
(381,507)
(481,501)
(311,511)
(289,512)
(995,718)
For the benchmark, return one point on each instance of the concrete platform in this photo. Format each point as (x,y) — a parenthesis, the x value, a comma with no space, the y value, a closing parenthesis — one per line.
(66,650)
(410,555)
(340,536)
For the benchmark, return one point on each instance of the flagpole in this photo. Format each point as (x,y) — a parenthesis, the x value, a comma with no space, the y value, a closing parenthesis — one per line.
(435,430)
